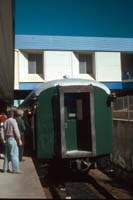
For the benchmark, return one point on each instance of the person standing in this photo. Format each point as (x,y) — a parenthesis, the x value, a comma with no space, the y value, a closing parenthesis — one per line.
(3,117)
(11,138)
(22,128)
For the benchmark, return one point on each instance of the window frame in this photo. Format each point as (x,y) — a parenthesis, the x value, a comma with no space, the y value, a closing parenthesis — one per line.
(85,54)
(36,65)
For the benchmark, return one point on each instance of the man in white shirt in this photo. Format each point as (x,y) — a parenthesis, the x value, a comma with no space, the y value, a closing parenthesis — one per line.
(11,138)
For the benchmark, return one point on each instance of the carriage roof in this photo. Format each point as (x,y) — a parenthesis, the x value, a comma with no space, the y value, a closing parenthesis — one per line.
(69,82)
(65,82)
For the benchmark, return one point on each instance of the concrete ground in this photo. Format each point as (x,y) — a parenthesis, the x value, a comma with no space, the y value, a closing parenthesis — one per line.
(21,186)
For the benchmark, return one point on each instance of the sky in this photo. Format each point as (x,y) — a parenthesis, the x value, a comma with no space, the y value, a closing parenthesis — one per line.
(87,18)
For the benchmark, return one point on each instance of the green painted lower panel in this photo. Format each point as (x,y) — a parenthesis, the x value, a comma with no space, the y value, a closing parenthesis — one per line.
(45,125)
(103,122)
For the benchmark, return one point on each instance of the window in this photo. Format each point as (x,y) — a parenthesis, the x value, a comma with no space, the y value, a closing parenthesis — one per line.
(86,64)
(127,66)
(35,63)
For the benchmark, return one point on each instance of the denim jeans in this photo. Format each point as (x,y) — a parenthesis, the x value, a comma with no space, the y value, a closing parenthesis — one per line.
(11,154)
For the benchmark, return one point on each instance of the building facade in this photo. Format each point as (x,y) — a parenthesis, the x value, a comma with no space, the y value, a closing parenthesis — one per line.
(35,67)
(56,39)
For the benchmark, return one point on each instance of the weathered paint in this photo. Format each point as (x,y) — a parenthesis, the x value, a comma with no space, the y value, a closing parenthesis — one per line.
(45,125)
(103,122)
(46,131)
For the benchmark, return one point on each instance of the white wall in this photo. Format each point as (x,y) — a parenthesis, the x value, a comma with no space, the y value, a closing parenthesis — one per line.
(60,63)
(75,65)
(23,70)
(23,66)
(108,66)
(57,64)
(16,70)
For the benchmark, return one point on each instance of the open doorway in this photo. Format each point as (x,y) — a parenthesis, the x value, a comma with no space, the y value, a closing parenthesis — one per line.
(77,121)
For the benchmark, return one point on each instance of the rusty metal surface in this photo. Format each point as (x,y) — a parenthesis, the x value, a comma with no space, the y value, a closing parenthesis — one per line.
(21,186)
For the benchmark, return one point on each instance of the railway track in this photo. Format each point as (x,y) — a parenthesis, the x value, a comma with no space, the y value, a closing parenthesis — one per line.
(95,185)
(85,187)
(76,190)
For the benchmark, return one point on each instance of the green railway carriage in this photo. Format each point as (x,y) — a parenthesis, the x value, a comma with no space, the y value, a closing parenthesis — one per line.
(72,120)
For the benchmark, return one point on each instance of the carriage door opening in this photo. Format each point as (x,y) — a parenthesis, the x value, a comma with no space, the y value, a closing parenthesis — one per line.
(76,119)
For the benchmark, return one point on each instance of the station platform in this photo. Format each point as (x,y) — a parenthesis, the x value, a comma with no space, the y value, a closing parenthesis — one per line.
(21,186)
